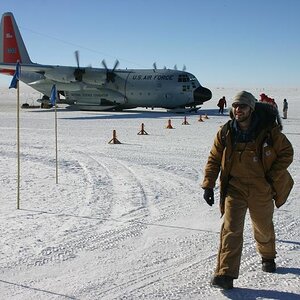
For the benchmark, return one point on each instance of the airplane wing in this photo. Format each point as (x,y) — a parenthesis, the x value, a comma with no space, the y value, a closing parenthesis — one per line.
(29,68)
(63,74)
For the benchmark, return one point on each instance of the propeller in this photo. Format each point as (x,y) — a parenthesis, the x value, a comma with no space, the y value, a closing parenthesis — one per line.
(184,68)
(110,74)
(154,66)
(78,72)
(175,67)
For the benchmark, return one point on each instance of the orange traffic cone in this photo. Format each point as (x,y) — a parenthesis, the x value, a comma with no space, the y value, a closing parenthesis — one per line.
(142,131)
(114,139)
(169,126)
(200,119)
(185,122)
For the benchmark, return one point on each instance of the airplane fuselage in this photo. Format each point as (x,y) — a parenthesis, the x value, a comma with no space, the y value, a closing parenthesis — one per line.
(131,88)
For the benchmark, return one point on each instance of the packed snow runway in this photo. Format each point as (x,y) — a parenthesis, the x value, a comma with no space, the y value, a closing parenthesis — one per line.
(127,221)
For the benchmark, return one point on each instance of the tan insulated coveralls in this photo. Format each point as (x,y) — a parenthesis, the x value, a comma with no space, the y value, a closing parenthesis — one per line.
(252,174)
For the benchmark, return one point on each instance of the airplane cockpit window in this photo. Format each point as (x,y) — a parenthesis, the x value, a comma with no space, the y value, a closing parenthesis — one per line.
(193,80)
(185,88)
(183,78)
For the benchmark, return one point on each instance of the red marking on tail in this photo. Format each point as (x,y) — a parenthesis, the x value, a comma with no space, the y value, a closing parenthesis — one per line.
(10,47)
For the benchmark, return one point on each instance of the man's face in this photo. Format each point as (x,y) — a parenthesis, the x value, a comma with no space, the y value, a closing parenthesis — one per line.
(241,112)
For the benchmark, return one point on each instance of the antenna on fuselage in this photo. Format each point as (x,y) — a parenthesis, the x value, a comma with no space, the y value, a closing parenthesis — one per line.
(154,66)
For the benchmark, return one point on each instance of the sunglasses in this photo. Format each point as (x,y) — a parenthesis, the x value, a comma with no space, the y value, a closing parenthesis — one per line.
(240,106)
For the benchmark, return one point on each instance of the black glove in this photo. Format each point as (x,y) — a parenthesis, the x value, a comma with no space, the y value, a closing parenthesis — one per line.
(209,196)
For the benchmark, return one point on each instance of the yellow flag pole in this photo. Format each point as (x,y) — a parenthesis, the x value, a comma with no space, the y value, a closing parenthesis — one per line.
(56,151)
(18,146)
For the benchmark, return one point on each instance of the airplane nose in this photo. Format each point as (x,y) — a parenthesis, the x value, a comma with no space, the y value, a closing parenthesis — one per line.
(202,94)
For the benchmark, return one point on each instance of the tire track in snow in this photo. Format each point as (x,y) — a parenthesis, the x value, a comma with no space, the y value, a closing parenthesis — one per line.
(149,284)
(194,286)
(128,191)
(146,200)
(87,237)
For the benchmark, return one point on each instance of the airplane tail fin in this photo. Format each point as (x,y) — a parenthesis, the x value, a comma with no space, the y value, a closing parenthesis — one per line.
(12,47)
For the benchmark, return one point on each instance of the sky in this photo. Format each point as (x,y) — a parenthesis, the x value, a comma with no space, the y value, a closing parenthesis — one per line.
(231,43)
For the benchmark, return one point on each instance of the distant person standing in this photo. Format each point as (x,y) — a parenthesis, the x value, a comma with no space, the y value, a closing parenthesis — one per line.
(263,97)
(285,108)
(221,104)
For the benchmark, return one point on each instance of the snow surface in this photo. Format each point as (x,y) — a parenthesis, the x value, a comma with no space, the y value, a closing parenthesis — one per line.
(127,221)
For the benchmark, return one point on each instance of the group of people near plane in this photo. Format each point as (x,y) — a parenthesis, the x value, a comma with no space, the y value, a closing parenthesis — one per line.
(222,103)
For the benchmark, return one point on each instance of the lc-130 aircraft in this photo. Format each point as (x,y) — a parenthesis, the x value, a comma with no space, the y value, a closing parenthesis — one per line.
(100,88)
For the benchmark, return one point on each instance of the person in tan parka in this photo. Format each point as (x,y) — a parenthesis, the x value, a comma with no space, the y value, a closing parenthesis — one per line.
(252,156)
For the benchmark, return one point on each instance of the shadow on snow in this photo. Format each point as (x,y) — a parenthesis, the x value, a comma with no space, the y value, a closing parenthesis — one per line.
(253,294)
